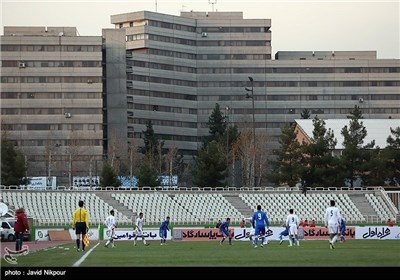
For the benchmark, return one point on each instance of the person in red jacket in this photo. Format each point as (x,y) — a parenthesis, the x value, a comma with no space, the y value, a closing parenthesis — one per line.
(20,227)
(390,223)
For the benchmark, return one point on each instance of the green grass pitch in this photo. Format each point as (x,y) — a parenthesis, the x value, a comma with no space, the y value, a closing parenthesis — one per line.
(352,253)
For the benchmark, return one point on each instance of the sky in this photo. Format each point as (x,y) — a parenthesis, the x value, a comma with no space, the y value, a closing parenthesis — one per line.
(311,25)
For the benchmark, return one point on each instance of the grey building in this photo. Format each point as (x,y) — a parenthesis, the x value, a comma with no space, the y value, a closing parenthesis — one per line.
(51,100)
(172,70)
(179,67)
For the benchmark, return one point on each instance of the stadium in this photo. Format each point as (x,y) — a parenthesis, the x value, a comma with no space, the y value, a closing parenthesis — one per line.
(194,212)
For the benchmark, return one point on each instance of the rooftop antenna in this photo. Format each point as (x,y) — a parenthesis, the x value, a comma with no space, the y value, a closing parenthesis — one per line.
(156,6)
(212,2)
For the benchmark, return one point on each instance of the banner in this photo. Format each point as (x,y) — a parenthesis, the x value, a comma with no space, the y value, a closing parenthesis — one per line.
(379,232)
(42,183)
(129,234)
(85,181)
(42,234)
(321,233)
(198,234)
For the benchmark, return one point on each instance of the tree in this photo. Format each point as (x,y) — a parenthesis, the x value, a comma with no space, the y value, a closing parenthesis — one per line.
(318,160)
(153,147)
(13,166)
(391,158)
(288,167)
(147,176)
(243,154)
(109,177)
(210,166)
(305,114)
(217,126)
(171,161)
(354,155)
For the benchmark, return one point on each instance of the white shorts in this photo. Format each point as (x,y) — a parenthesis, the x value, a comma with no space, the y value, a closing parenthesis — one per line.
(333,228)
(293,229)
(138,232)
(110,232)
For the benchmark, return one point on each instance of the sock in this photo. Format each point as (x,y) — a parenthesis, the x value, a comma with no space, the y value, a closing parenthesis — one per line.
(77,243)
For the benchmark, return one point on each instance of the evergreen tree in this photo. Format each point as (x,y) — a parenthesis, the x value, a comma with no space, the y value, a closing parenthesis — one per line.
(287,168)
(319,162)
(109,177)
(305,114)
(147,176)
(355,154)
(152,145)
(13,167)
(391,158)
(210,166)
(217,126)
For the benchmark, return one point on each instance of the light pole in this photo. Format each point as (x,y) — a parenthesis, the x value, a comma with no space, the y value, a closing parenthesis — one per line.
(254,128)
(227,129)
(227,138)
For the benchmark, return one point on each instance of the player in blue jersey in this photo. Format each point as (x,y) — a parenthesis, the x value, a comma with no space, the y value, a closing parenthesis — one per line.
(224,230)
(259,222)
(342,230)
(163,231)
(285,232)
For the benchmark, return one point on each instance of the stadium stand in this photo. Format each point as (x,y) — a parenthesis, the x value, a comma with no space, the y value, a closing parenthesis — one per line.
(201,206)
(55,208)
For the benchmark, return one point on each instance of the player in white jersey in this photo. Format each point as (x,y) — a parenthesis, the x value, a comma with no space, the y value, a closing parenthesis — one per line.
(111,224)
(139,229)
(292,223)
(332,221)
(252,232)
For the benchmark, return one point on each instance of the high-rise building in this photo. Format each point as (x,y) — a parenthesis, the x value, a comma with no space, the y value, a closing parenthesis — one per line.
(179,67)
(51,100)
(172,71)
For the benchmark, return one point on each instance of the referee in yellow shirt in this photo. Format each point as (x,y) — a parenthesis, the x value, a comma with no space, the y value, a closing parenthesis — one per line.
(80,223)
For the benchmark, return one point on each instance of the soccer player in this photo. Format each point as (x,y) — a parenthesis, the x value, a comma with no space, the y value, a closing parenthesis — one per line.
(283,233)
(292,222)
(252,231)
(342,230)
(163,231)
(332,219)
(224,229)
(111,224)
(259,222)
(139,230)
(80,223)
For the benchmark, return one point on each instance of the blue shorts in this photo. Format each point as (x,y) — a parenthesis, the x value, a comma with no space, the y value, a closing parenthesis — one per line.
(260,231)
(225,232)
(285,232)
(163,233)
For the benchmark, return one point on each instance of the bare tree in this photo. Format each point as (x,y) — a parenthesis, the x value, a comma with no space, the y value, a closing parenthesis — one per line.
(262,141)
(243,152)
(170,160)
(115,148)
(73,152)
(133,157)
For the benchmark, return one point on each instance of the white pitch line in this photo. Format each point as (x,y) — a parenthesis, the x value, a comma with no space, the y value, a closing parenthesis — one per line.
(78,263)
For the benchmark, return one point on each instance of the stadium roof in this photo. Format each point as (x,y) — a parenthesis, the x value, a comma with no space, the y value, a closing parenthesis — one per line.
(377,129)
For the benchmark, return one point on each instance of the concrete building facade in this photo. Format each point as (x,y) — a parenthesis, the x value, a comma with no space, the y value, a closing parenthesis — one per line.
(179,67)
(68,98)
(51,100)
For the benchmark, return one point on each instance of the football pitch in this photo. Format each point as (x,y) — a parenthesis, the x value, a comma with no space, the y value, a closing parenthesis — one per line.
(352,253)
